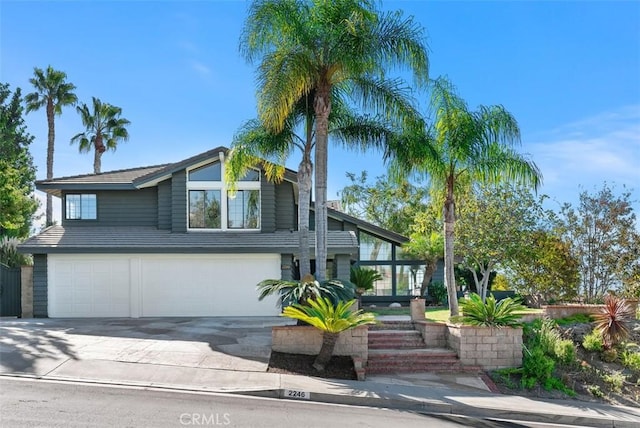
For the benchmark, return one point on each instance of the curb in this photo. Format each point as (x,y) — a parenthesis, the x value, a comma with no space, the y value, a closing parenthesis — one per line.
(386,403)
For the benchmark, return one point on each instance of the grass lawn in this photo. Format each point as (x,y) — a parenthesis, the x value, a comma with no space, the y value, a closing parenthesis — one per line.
(435,314)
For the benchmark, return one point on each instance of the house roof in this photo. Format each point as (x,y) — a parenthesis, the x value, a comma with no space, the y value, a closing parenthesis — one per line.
(368,227)
(134,178)
(129,239)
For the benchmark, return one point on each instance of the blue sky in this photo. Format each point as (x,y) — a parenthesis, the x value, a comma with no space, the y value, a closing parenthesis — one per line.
(569,72)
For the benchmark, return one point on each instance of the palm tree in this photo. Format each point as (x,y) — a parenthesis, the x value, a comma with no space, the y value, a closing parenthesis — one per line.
(461,148)
(307,289)
(363,278)
(53,92)
(319,47)
(331,320)
(254,144)
(103,129)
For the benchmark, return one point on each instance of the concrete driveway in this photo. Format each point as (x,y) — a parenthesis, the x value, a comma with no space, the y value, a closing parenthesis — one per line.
(45,347)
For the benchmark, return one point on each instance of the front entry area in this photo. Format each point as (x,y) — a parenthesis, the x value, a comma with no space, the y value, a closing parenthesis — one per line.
(159,285)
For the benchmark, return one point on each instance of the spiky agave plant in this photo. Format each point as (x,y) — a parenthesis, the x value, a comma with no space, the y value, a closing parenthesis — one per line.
(490,313)
(613,321)
(331,319)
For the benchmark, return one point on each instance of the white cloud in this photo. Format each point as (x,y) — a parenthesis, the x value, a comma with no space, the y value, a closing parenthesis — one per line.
(587,153)
(200,68)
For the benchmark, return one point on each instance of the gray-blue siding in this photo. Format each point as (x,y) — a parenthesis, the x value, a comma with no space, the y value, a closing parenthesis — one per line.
(40,296)
(120,208)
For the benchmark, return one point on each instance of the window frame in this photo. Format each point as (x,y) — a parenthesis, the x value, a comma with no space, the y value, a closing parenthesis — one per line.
(222,187)
(80,208)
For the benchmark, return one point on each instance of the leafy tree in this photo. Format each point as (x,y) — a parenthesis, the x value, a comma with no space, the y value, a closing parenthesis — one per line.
(104,128)
(386,203)
(331,319)
(462,147)
(325,48)
(428,248)
(17,173)
(53,92)
(546,269)
(599,231)
(493,228)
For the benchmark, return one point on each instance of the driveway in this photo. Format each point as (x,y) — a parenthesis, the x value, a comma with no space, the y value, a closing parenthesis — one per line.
(42,347)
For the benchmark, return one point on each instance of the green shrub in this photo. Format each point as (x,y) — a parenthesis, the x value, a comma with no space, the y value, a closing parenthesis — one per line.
(307,289)
(363,278)
(593,342)
(631,359)
(555,383)
(565,352)
(575,319)
(595,391)
(615,380)
(537,367)
(438,292)
(490,313)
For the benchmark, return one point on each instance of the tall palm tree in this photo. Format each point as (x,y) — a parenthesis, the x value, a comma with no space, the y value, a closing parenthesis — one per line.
(254,144)
(53,92)
(460,148)
(319,47)
(104,128)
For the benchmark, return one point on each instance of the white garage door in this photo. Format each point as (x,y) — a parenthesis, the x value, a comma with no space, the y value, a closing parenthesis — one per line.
(160,285)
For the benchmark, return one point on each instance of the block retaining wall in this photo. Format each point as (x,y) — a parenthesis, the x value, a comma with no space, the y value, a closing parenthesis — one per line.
(489,348)
(308,340)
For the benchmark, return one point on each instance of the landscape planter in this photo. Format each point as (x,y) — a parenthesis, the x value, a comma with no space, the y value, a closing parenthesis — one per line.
(563,311)
(487,347)
(293,339)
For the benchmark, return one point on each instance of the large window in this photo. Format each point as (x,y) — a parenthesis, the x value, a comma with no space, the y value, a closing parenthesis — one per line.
(212,207)
(81,207)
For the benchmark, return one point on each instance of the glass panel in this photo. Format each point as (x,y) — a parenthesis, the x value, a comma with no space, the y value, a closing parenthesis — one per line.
(251,175)
(409,280)
(243,210)
(372,248)
(381,287)
(73,207)
(88,203)
(204,209)
(211,172)
(81,207)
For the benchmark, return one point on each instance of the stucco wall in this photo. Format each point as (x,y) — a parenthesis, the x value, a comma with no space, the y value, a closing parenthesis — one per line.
(489,348)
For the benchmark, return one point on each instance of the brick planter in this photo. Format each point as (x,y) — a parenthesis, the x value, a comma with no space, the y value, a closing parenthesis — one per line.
(562,311)
(307,340)
(434,334)
(486,347)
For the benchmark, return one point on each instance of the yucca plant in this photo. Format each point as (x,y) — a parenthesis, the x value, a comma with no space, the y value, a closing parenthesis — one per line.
(308,288)
(490,314)
(613,321)
(331,319)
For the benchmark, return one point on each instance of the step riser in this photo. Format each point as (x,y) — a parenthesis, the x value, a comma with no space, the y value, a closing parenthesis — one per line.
(432,369)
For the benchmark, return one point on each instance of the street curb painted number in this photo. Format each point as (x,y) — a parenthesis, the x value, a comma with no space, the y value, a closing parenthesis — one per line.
(300,395)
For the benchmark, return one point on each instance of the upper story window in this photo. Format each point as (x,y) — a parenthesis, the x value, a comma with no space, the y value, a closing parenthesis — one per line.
(374,249)
(213,207)
(81,207)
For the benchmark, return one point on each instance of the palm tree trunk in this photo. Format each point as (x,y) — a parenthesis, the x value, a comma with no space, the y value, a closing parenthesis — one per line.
(449,274)
(97,162)
(430,267)
(305,169)
(50,148)
(326,351)
(322,108)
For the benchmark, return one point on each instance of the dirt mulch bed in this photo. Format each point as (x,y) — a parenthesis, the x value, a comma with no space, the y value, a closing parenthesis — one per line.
(339,367)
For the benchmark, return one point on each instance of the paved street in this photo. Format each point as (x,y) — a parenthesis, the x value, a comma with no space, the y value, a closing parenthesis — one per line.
(37,403)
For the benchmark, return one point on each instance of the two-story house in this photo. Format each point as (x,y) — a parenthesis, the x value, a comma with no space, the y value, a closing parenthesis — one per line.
(170,240)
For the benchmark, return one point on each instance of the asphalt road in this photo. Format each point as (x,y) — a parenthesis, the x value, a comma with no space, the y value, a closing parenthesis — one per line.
(38,403)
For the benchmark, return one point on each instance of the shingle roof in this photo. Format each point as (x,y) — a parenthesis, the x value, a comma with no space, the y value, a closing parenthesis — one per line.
(58,239)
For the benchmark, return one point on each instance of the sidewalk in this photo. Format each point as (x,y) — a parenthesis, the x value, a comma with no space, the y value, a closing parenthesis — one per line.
(60,350)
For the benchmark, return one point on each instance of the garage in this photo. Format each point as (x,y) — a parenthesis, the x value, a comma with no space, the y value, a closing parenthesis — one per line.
(155,285)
